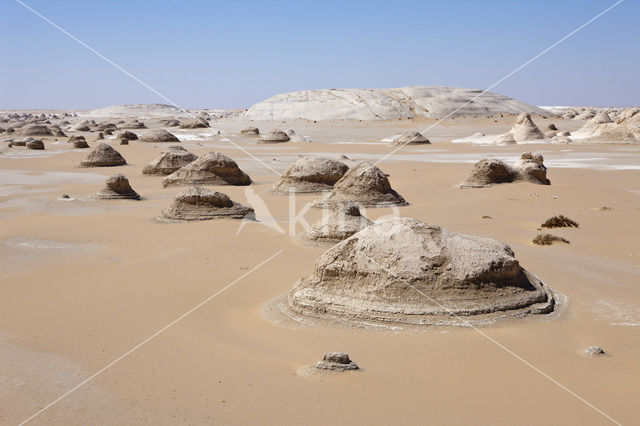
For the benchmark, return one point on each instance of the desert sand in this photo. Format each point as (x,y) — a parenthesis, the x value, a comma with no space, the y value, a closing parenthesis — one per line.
(84,280)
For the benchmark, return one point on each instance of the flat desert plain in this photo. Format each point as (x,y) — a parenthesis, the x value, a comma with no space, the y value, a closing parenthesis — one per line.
(85,281)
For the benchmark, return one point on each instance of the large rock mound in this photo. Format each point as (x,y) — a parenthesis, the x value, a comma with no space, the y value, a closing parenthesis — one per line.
(365,185)
(212,168)
(490,171)
(402,270)
(103,156)
(310,174)
(169,161)
(197,203)
(386,104)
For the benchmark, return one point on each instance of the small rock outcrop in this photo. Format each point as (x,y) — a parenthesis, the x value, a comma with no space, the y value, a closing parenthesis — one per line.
(170,122)
(310,175)
(342,221)
(133,124)
(250,131)
(595,351)
(274,136)
(491,171)
(296,137)
(81,126)
(197,203)
(404,271)
(127,134)
(169,161)
(35,144)
(212,168)
(103,156)
(78,142)
(336,361)
(195,124)
(117,187)
(365,185)
(158,135)
(411,138)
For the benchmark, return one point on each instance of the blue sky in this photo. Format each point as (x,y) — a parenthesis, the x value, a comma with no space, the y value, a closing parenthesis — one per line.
(235,53)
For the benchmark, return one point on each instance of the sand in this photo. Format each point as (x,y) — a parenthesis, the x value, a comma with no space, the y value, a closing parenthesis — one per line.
(126,276)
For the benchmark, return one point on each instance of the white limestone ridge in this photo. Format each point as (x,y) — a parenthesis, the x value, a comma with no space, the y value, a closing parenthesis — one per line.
(387,104)
(136,110)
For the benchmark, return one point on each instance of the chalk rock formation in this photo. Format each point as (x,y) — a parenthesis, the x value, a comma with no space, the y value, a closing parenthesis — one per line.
(101,127)
(250,131)
(386,104)
(194,124)
(170,122)
(530,167)
(134,124)
(310,174)
(274,136)
(411,138)
(35,144)
(365,185)
(78,142)
(296,137)
(490,171)
(197,203)
(401,270)
(595,351)
(212,168)
(127,135)
(103,156)
(117,188)
(158,135)
(525,129)
(169,161)
(601,129)
(81,126)
(343,221)
(136,110)
(34,130)
(336,361)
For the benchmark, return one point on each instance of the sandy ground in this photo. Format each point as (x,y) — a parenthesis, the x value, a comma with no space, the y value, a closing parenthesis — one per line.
(83,282)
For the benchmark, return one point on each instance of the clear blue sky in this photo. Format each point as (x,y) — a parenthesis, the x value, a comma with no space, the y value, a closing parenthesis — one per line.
(235,53)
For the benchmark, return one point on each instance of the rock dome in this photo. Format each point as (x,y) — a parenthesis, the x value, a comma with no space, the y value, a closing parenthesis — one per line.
(309,175)
(212,168)
(103,156)
(402,270)
(169,161)
(365,185)
(197,203)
